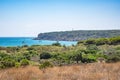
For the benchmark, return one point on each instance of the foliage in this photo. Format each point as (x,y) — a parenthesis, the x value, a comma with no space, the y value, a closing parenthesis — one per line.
(7,63)
(77,56)
(25,46)
(61,58)
(104,48)
(24,62)
(17,64)
(88,58)
(18,57)
(114,57)
(102,41)
(92,47)
(30,48)
(90,41)
(56,44)
(44,65)
(115,40)
(3,55)
(27,55)
(78,35)
(80,42)
(45,55)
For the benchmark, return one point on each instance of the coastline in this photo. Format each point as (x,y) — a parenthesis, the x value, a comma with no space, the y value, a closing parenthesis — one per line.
(20,41)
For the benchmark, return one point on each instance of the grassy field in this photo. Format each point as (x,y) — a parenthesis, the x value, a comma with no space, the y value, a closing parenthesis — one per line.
(90,71)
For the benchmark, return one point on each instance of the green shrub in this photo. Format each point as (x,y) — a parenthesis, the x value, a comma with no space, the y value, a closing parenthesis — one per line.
(90,41)
(45,55)
(30,48)
(102,41)
(2,66)
(6,60)
(18,58)
(56,44)
(25,46)
(7,63)
(77,56)
(24,62)
(17,64)
(61,58)
(88,58)
(79,42)
(45,65)
(113,57)
(92,47)
(3,55)
(27,55)
(90,51)
(115,40)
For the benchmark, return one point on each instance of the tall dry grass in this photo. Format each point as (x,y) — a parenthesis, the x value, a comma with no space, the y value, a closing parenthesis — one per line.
(93,71)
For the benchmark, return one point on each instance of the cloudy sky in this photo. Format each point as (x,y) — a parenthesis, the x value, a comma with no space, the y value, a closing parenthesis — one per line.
(30,17)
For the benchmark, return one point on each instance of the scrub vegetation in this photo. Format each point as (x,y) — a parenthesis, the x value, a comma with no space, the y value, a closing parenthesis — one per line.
(91,59)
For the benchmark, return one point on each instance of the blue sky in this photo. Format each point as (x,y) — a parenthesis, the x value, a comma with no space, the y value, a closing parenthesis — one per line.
(30,17)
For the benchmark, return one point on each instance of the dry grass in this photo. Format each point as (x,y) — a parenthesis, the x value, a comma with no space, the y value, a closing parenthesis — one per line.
(94,71)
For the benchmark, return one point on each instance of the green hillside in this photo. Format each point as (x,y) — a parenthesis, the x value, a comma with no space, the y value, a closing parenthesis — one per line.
(77,35)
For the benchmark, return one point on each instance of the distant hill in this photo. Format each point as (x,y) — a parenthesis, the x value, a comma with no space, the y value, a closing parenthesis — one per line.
(77,35)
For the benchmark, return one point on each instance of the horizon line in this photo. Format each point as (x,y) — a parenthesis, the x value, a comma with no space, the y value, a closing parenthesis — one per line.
(60,31)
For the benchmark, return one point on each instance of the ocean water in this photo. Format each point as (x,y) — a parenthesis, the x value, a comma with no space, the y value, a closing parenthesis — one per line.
(19,41)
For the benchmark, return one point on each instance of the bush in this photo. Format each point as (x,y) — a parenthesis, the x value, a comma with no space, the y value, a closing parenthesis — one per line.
(6,60)
(61,58)
(24,62)
(3,55)
(18,57)
(45,55)
(27,55)
(114,40)
(102,41)
(56,44)
(113,57)
(92,47)
(30,48)
(7,63)
(88,60)
(80,42)
(77,56)
(2,66)
(45,65)
(17,65)
(90,41)
(25,46)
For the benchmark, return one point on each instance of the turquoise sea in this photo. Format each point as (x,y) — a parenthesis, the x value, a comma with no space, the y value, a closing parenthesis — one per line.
(19,41)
